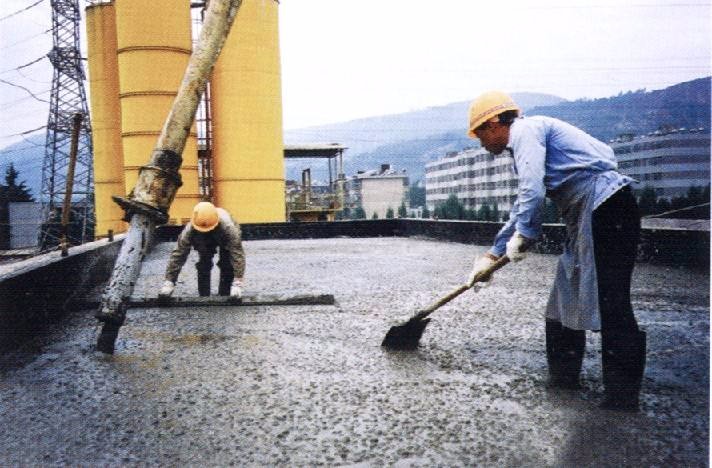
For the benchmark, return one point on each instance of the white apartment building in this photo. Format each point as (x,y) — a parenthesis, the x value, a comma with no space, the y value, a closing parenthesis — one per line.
(377,190)
(669,162)
(475,176)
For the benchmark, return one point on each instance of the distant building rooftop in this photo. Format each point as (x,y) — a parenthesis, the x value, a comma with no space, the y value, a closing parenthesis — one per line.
(314,150)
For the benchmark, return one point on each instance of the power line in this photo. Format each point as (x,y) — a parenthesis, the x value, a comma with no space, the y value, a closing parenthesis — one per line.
(32,79)
(26,39)
(26,132)
(24,89)
(20,11)
(24,66)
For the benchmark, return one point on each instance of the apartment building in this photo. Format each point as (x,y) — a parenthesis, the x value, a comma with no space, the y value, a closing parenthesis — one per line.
(475,176)
(668,161)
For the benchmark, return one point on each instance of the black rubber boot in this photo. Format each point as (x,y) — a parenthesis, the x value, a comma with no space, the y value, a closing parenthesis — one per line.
(564,354)
(224,285)
(203,283)
(623,358)
(226,273)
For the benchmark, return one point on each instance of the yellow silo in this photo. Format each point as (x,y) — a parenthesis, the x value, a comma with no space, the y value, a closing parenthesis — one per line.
(154,45)
(246,103)
(105,118)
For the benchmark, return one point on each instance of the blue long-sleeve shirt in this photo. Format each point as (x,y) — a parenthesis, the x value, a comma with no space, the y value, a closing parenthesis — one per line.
(554,158)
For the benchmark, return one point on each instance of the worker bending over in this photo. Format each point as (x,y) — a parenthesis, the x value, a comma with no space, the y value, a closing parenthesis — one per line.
(592,286)
(209,229)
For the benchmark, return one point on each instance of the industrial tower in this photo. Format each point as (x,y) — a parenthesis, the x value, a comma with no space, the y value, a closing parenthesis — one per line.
(67,99)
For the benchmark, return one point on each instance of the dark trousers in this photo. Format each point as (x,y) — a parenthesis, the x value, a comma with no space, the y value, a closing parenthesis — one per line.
(616,231)
(204,266)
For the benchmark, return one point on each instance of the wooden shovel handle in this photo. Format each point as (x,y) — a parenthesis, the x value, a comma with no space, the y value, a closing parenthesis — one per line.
(503,260)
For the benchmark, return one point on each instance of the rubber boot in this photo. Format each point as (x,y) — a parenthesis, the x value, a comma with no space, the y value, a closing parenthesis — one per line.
(226,273)
(623,358)
(224,285)
(203,283)
(564,354)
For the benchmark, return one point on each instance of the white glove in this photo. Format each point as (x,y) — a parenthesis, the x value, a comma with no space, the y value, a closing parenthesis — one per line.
(516,247)
(481,264)
(167,289)
(236,288)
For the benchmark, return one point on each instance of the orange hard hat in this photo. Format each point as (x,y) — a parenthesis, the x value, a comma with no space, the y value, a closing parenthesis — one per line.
(205,217)
(487,106)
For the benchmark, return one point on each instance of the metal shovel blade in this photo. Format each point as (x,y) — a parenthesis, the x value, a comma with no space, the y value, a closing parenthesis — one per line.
(407,336)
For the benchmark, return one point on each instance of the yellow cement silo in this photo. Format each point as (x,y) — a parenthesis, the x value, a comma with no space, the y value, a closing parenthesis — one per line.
(105,118)
(246,101)
(154,45)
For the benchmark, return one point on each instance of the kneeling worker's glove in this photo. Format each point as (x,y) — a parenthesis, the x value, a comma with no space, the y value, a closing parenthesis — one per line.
(517,246)
(480,266)
(236,288)
(167,289)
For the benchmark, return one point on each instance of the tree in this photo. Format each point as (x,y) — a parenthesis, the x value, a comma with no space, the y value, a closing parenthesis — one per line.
(375,215)
(10,192)
(402,211)
(484,213)
(416,195)
(358,213)
(647,201)
(389,213)
(452,208)
(426,212)
(662,205)
(695,196)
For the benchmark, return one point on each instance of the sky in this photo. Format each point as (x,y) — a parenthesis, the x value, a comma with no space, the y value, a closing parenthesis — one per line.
(349,59)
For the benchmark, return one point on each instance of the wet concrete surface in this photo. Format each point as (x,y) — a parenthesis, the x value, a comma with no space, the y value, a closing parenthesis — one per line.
(310,385)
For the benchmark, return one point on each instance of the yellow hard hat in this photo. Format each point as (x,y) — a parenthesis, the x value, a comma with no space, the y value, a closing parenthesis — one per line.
(488,105)
(205,217)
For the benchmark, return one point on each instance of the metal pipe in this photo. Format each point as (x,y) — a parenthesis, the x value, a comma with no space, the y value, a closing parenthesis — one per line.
(159,180)
(67,205)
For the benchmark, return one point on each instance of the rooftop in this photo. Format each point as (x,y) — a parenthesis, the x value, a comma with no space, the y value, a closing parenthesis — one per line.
(310,385)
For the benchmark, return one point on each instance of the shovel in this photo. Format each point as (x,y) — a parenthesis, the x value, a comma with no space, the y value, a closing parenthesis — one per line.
(407,336)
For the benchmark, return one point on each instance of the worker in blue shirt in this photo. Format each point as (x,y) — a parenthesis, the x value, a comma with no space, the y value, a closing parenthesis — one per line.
(592,286)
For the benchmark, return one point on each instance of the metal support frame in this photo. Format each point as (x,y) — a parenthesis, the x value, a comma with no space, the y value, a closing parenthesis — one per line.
(68,98)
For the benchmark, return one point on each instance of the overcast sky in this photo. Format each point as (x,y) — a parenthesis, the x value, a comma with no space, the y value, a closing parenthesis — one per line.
(347,59)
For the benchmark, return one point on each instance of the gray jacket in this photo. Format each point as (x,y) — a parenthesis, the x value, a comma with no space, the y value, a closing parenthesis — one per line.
(226,235)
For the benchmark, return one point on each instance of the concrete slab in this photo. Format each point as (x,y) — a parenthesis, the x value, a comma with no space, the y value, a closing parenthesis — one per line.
(310,385)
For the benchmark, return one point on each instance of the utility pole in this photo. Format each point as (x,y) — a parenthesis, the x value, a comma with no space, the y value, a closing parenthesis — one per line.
(68,98)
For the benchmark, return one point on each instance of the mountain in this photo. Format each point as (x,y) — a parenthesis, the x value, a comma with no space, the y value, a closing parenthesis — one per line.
(366,134)
(405,140)
(409,140)
(436,131)
(638,112)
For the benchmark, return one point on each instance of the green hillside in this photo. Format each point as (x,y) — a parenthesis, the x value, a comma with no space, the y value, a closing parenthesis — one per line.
(639,112)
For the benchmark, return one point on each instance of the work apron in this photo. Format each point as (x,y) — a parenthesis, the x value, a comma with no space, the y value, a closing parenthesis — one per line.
(574,297)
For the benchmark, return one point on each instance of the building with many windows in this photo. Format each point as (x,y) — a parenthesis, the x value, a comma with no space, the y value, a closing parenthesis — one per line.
(670,162)
(475,176)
